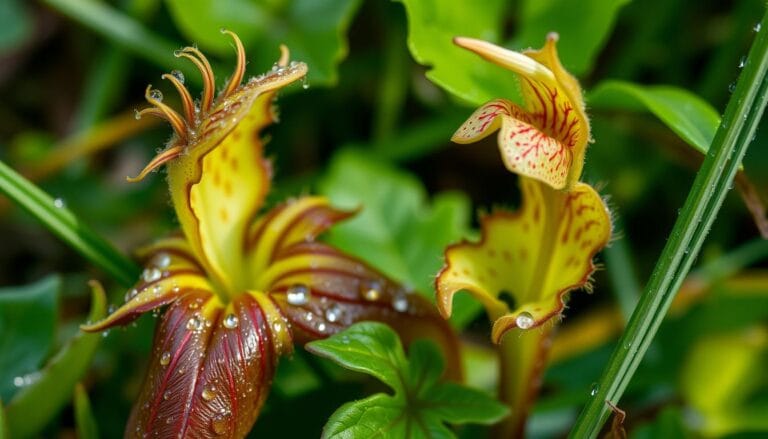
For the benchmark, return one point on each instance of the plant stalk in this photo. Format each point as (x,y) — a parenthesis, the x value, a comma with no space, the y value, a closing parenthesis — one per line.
(714,179)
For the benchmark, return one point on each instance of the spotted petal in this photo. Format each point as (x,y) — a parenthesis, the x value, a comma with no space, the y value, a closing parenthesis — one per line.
(321,291)
(211,369)
(546,138)
(536,255)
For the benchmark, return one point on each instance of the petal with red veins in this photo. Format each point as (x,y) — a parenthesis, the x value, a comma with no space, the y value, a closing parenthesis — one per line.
(211,369)
(321,291)
(545,139)
(293,222)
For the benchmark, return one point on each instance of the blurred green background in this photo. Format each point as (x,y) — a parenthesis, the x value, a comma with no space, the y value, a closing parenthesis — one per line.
(373,128)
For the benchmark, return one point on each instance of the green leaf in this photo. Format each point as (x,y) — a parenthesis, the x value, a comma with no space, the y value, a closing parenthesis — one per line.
(3,422)
(84,419)
(36,404)
(15,25)
(431,28)
(396,230)
(688,115)
(584,27)
(314,30)
(27,323)
(421,404)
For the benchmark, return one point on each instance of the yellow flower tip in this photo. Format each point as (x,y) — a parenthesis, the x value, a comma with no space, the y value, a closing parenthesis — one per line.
(239,72)
(515,61)
(285,56)
(160,159)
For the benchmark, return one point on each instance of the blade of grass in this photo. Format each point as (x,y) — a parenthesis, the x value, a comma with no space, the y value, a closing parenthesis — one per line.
(714,179)
(64,224)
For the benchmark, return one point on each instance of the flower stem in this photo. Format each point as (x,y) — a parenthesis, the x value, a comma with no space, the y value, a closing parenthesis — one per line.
(62,222)
(714,179)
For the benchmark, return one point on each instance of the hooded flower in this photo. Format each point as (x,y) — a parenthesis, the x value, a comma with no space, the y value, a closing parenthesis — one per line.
(527,261)
(242,287)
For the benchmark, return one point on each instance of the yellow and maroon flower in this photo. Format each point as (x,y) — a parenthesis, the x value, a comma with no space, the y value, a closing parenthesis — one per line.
(534,256)
(242,287)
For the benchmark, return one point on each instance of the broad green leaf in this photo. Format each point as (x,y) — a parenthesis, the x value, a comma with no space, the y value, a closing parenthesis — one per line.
(3,423)
(689,116)
(314,30)
(583,25)
(27,323)
(15,24)
(421,404)
(36,404)
(431,29)
(371,349)
(86,423)
(396,230)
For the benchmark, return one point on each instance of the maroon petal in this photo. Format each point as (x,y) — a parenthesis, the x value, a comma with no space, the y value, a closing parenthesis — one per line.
(210,372)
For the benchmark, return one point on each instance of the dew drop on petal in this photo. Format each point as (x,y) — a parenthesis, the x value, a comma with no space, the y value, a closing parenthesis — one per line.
(151,274)
(161,260)
(209,393)
(167,395)
(130,294)
(277,326)
(333,313)
(524,320)
(297,294)
(195,323)
(220,424)
(400,303)
(372,290)
(156,95)
(321,327)
(178,75)
(231,321)
(165,358)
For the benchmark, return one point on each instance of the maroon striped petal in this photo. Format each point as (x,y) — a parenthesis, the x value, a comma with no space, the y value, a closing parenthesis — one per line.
(211,368)
(322,291)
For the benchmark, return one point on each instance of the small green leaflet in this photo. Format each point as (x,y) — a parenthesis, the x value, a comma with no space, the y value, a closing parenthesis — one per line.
(421,403)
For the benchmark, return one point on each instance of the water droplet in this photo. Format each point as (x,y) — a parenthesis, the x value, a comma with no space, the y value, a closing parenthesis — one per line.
(593,390)
(757,27)
(524,320)
(151,274)
(58,203)
(372,290)
(231,321)
(277,326)
(333,313)
(297,294)
(209,393)
(167,395)
(136,114)
(195,323)
(156,95)
(111,308)
(732,87)
(130,294)
(165,358)
(193,305)
(220,424)
(400,303)
(321,327)
(304,83)
(309,316)
(742,62)
(178,75)
(161,260)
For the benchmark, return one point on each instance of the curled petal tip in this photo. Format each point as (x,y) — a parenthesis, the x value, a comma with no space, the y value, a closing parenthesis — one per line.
(285,56)
(165,156)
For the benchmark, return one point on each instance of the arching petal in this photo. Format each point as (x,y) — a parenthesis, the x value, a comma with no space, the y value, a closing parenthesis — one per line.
(535,255)
(211,370)
(171,272)
(552,125)
(321,291)
(293,222)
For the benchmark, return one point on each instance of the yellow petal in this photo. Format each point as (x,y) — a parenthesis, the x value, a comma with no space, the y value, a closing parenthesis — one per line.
(545,139)
(535,255)
(171,272)
(293,222)
(219,185)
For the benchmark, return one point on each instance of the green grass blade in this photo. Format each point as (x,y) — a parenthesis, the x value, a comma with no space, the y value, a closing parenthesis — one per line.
(710,187)
(64,224)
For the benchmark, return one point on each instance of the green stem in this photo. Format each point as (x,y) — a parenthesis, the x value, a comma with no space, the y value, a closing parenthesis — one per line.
(712,183)
(621,272)
(62,222)
(394,83)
